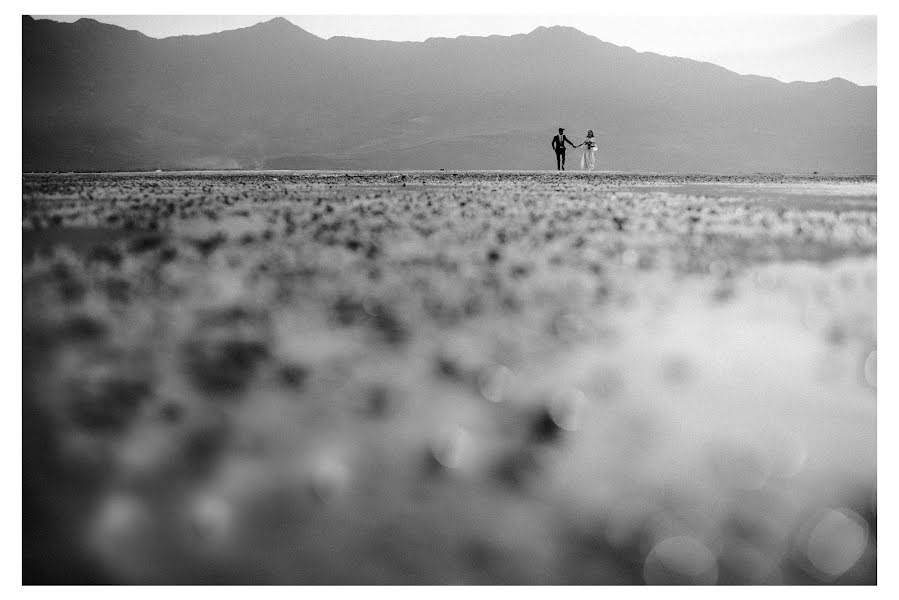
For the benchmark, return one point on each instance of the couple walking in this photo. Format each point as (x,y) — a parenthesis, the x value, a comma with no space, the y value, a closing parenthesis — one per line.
(588,158)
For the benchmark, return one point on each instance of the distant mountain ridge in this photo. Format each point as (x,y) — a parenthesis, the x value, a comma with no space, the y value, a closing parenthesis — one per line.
(100,97)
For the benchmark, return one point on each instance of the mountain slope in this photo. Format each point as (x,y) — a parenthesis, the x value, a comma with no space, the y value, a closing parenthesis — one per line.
(100,97)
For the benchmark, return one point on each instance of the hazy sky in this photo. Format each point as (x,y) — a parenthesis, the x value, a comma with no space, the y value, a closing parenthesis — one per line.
(788,47)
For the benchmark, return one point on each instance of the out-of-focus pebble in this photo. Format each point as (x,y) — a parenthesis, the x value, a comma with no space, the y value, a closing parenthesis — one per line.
(450,448)
(871,369)
(119,522)
(567,408)
(787,454)
(329,477)
(680,560)
(836,542)
(630,258)
(212,518)
(493,382)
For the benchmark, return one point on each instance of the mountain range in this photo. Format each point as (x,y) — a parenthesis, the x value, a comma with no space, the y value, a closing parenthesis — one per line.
(100,97)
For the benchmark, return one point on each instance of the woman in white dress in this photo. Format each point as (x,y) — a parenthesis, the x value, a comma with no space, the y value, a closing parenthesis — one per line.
(588,158)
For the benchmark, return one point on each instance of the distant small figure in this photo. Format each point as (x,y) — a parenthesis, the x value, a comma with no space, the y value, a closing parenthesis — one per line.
(588,158)
(559,146)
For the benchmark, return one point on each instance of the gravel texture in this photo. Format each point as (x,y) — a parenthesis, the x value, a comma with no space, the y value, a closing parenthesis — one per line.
(453,378)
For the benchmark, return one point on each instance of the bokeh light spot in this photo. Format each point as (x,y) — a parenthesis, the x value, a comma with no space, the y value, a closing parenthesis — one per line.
(680,560)
(837,542)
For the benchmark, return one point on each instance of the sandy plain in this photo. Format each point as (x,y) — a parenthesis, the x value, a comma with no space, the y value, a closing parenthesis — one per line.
(441,377)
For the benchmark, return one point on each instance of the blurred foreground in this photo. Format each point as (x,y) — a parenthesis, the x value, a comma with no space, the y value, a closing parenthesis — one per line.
(449,378)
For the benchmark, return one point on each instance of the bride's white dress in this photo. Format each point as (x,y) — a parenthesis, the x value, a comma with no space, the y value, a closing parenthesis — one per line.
(588,158)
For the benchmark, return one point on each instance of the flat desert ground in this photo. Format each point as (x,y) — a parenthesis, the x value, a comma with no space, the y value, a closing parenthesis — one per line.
(449,377)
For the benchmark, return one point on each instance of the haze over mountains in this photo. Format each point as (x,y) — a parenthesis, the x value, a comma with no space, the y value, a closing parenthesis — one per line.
(99,97)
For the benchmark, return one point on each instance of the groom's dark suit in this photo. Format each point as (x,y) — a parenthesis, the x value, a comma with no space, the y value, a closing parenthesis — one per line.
(559,147)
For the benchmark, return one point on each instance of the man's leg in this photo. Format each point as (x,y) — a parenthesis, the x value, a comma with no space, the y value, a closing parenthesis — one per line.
(563,159)
(558,161)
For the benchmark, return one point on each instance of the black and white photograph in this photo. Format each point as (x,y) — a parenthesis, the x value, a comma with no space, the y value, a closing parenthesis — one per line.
(429,299)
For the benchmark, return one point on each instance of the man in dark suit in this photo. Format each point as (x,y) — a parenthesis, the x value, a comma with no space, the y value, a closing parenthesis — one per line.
(559,146)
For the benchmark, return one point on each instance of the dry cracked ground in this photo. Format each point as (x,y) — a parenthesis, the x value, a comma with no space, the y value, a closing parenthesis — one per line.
(448,378)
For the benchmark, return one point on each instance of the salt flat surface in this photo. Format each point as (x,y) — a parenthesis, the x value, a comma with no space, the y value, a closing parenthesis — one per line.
(438,377)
